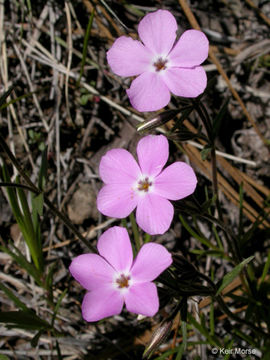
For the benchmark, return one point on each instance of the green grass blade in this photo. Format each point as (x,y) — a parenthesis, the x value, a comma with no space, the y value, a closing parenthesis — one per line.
(21,260)
(197,236)
(12,196)
(228,278)
(13,298)
(24,320)
(29,232)
(57,306)
(85,44)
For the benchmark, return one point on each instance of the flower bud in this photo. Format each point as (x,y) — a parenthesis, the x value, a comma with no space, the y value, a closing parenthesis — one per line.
(158,337)
(159,119)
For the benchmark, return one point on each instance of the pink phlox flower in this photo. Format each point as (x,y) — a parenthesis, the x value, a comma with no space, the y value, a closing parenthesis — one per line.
(145,186)
(112,278)
(163,66)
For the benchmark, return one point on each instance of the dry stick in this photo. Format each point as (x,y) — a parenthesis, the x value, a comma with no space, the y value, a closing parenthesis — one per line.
(69,42)
(127,112)
(50,61)
(108,17)
(31,87)
(103,29)
(175,336)
(39,23)
(239,177)
(4,72)
(258,11)
(225,155)
(90,234)
(195,25)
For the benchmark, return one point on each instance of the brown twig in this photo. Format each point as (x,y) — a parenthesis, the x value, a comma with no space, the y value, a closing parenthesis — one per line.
(258,11)
(191,18)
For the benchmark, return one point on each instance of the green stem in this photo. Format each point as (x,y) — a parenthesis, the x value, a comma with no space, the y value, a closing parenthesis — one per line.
(37,191)
(135,231)
(234,317)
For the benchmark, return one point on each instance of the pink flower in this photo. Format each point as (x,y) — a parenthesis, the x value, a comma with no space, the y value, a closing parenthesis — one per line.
(145,186)
(162,66)
(113,278)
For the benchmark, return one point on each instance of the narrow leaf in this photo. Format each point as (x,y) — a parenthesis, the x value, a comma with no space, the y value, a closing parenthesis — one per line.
(228,278)
(43,170)
(219,117)
(23,319)
(13,297)
(21,260)
(6,95)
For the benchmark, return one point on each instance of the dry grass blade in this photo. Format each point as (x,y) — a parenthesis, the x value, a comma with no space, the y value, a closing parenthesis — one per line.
(213,57)
(103,30)
(258,11)
(236,174)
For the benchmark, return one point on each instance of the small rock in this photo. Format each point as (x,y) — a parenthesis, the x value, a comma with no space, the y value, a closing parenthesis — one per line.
(83,204)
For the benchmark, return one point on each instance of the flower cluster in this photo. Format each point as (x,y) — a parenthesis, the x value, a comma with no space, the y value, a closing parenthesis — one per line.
(162,65)
(113,278)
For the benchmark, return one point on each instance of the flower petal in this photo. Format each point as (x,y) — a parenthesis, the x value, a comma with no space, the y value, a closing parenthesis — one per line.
(186,82)
(142,299)
(157,31)
(128,57)
(153,153)
(118,166)
(116,200)
(154,214)
(114,245)
(150,262)
(148,92)
(101,303)
(91,271)
(190,50)
(176,181)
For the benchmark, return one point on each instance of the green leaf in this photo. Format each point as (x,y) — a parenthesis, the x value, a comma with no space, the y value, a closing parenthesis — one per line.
(59,355)
(228,278)
(23,320)
(84,99)
(85,44)
(21,260)
(193,233)
(12,196)
(5,95)
(61,297)
(42,177)
(34,340)
(37,204)
(213,340)
(219,117)
(205,152)
(29,232)
(265,269)
(37,210)
(178,122)
(14,298)
(49,281)
(4,357)
(180,352)
(184,135)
